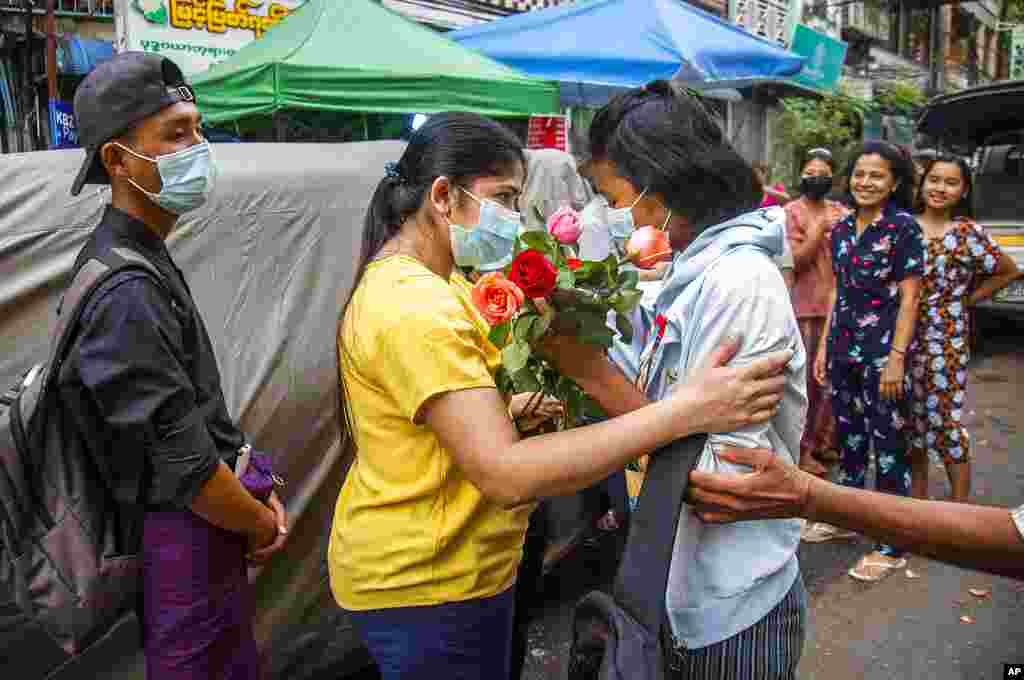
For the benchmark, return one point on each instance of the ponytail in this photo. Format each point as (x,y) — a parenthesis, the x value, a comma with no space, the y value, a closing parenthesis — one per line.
(459,146)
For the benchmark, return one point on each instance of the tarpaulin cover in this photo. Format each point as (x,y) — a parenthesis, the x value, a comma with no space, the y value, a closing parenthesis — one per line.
(269,261)
(359,56)
(596,47)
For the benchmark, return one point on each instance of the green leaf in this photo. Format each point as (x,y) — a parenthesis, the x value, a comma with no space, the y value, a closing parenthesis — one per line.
(604,337)
(611,266)
(629,278)
(591,408)
(542,324)
(522,326)
(540,240)
(624,327)
(566,279)
(573,408)
(627,300)
(591,322)
(503,381)
(499,334)
(515,356)
(591,272)
(525,380)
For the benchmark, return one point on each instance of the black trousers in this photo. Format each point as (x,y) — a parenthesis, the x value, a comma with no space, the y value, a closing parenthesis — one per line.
(529,587)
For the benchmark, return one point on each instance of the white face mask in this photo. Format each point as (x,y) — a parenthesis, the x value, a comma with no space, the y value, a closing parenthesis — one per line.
(187,177)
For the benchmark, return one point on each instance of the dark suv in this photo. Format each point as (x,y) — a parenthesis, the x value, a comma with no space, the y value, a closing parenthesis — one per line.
(988,121)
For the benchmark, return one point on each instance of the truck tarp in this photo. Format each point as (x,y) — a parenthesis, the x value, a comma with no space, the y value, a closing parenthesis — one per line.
(269,260)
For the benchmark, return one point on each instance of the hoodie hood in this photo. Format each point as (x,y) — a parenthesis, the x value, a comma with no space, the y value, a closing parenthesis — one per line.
(764,228)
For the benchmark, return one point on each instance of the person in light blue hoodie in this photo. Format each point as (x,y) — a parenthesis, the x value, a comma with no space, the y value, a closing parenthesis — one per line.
(735,603)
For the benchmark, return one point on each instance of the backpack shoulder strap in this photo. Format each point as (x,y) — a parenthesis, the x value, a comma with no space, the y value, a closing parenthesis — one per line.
(642,576)
(92,274)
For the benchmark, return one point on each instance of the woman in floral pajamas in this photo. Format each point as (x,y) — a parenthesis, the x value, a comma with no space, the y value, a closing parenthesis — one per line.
(960,253)
(878,259)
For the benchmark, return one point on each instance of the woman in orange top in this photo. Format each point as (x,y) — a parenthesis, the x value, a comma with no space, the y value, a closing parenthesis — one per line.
(809,221)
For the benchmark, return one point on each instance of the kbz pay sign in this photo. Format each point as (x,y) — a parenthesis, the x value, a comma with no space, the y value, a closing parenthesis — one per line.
(63,129)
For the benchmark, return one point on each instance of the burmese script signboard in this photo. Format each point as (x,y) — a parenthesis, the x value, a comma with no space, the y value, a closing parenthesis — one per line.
(196,34)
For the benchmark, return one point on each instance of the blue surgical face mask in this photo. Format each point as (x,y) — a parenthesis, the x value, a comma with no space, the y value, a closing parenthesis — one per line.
(187,178)
(490,245)
(618,221)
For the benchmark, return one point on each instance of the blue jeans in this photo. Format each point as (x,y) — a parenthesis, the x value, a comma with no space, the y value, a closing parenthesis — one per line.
(469,640)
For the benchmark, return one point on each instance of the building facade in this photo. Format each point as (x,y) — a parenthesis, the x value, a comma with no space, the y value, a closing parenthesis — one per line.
(940,45)
(85,34)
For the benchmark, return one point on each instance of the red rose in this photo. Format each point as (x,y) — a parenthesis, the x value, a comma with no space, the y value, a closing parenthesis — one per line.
(533,273)
(574,264)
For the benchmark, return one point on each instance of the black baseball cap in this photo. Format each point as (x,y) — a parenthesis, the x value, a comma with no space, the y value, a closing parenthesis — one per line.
(117,95)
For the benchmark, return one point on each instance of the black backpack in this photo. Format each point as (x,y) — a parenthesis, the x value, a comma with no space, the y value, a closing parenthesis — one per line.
(618,636)
(62,571)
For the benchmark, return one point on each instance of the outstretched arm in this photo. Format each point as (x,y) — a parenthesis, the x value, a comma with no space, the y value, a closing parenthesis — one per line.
(970,536)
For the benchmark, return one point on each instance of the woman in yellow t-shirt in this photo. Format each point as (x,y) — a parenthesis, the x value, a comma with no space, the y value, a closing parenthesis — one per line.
(429,525)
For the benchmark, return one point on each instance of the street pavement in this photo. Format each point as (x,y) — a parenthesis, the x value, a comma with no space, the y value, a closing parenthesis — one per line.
(922,622)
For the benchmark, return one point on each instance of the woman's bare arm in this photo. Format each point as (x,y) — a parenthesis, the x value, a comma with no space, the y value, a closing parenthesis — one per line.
(474,426)
(1006,271)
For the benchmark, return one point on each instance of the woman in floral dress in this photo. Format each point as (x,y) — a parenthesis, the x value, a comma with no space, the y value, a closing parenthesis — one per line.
(964,267)
(878,259)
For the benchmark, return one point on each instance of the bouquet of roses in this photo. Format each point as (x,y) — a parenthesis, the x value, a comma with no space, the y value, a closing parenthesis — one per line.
(547,288)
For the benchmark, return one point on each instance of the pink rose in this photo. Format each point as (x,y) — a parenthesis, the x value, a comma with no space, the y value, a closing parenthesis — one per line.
(497,298)
(564,224)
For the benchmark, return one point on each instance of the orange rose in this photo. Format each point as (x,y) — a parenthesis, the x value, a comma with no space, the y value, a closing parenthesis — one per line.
(497,298)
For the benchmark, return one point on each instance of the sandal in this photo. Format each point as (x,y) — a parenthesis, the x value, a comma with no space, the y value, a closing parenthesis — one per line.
(871,569)
(819,532)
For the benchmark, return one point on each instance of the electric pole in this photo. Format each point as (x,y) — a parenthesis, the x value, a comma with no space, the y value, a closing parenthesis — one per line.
(936,80)
(51,63)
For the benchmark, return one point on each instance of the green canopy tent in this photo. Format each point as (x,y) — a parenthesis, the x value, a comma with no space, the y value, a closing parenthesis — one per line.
(356,56)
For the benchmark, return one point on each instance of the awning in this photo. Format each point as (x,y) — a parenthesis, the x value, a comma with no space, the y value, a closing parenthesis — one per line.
(79,56)
(596,48)
(356,56)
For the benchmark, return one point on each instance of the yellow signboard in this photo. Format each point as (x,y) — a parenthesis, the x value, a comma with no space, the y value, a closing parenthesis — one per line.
(215,17)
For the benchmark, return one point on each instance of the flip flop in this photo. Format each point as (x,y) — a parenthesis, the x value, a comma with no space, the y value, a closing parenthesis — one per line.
(862,570)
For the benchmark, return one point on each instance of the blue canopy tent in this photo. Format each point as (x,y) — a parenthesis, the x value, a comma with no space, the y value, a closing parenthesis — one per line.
(79,56)
(595,48)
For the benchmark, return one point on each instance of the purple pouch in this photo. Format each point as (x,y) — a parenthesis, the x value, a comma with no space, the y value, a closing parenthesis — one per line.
(257,473)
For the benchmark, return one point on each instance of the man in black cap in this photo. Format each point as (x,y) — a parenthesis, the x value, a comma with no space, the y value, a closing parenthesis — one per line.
(143,387)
